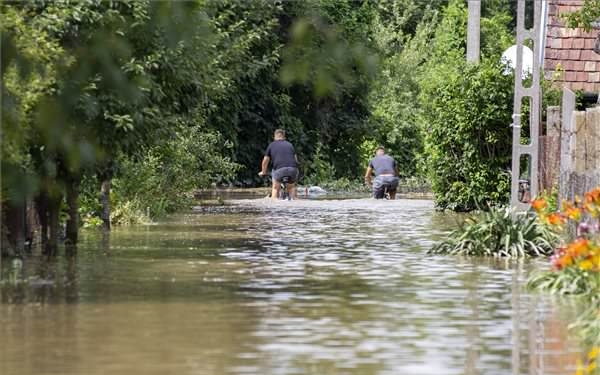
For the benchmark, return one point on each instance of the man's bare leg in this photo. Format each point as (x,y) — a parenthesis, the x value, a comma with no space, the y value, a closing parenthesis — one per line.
(275,190)
(292,190)
(392,195)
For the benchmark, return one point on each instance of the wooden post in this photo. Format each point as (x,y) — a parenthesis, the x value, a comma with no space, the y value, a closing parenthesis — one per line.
(592,139)
(72,226)
(549,160)
(105,199)
(567,143)
(580,141)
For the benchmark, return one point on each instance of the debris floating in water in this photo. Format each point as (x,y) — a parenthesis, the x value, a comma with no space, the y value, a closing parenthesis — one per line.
(311,191)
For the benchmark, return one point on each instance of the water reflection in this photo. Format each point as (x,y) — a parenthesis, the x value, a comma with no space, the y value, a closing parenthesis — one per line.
(260,287)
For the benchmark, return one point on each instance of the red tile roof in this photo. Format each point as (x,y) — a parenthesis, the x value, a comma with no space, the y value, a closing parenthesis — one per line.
(571,50)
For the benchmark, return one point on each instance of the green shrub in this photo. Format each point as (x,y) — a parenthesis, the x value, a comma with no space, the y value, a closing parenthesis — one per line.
(466,113)
(162,182)
(468,140)
(345,185)
(499,232)
(127,213)
(320,170)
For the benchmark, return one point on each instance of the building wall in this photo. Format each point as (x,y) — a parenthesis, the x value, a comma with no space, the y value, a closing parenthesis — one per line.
(569,57)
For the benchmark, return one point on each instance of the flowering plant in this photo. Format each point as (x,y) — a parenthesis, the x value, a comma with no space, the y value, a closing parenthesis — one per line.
(576,264)
(578,258)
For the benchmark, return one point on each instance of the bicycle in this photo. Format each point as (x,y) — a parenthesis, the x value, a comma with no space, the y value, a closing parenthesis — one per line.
(386,193)
(283,191)
(284,194)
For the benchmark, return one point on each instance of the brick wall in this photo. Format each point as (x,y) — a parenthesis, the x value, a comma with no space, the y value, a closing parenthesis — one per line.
(570,50)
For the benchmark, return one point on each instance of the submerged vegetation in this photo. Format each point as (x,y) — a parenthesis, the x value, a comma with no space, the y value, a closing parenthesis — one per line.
(499,232)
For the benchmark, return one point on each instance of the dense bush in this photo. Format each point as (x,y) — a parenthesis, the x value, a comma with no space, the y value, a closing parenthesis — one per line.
(466,113)
(468,138)
(162,181)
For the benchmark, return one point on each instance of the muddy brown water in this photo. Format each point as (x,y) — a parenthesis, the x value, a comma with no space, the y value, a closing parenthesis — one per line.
(257,287)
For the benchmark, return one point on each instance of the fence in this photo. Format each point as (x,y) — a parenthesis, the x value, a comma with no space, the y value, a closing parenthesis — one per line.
(577,183)
(570,150)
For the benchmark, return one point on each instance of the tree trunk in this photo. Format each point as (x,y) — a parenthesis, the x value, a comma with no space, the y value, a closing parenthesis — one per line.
(105,199)
(41,206)
(72,228)
(3,236)
(31,225)
(105,242)
(54,213)
(15,228)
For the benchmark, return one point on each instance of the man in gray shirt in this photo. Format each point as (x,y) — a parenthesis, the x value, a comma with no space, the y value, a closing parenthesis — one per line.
(282,155)
(386,174)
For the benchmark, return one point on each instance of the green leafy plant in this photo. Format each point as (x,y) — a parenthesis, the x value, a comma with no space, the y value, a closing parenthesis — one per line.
(127,213)
(585,16)
(499,232)
(345,185)
(569,281)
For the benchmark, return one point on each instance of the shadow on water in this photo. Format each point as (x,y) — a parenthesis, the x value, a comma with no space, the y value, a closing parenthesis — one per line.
(262,287)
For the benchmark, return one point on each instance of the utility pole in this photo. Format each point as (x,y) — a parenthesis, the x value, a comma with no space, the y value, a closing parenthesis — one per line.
(473,31)
(533,94)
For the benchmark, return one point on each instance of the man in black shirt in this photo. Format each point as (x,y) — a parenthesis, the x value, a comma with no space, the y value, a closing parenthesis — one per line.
(285,164)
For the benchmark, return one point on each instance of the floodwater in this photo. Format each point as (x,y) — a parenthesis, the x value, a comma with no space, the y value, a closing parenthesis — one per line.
(323,287)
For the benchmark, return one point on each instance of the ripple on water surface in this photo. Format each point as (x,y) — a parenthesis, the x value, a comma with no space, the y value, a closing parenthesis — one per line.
(287,287)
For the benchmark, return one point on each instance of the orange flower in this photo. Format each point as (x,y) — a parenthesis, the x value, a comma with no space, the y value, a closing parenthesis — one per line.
(578,248)
(593,196)
(539,204)
(564,261)
(555,219)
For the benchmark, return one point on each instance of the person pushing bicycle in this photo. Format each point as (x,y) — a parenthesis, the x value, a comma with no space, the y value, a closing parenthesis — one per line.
(386,174)
(285,164)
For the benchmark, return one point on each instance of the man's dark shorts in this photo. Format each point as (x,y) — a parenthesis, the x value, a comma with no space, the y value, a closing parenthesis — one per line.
(290,172)
(381,182)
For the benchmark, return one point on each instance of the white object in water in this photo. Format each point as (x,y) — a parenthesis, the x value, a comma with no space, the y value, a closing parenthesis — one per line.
(316,190)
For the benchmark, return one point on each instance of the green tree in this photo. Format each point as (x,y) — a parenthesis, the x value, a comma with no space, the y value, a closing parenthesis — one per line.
(110,79)
(466,111)
(394,96)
